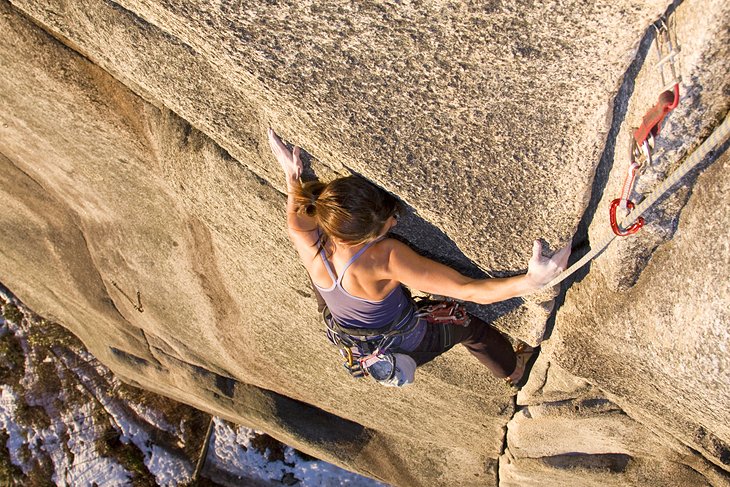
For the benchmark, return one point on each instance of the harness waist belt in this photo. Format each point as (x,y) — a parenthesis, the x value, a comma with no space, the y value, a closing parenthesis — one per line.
(391,329)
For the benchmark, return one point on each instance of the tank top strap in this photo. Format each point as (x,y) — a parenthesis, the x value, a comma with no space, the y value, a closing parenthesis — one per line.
(355,257)
(327,265)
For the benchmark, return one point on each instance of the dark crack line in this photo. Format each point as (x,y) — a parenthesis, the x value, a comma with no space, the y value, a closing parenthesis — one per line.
(62,40)
(207,368)
(607,162)
(260,174)
(83,238)
(150,349)
(103,285)
(137,90)
(600,179)
(27,174)
(503,449)
(98,273)
(145,23)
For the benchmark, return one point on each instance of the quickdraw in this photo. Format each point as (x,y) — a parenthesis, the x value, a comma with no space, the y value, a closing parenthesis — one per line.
(642,142)
(718,137)
(631,229)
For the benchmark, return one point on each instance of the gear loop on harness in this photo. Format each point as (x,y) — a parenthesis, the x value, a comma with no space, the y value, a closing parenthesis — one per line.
(444,312)
(365,348)
(360,346)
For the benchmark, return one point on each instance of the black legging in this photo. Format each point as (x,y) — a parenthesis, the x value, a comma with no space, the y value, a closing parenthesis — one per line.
(484,342)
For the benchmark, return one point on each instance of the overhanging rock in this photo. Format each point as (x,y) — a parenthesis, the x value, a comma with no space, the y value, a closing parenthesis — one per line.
(133,153)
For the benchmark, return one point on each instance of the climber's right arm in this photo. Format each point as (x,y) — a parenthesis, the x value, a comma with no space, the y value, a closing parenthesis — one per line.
(302,229)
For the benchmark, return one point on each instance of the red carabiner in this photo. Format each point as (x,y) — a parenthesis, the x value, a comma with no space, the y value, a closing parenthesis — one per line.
(631,229)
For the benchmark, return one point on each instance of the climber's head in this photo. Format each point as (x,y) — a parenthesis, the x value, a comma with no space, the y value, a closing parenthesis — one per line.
(350,209)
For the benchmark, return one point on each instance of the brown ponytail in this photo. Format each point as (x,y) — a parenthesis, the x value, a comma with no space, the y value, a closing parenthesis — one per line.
(351,209)
(305,197)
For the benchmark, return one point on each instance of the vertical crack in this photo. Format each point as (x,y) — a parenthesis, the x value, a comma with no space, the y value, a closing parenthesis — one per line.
(600,179)
(504,447)
(606,162)
(151,349)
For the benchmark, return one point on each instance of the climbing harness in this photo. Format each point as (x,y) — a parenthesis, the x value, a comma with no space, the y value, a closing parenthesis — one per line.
(718,136)
(367,351)
(642,142)
(362,347)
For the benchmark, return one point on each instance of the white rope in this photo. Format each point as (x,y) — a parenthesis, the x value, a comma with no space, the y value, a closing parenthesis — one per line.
(718,136)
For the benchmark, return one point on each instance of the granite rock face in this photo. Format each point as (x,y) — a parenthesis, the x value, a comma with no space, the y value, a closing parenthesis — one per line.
(143,211)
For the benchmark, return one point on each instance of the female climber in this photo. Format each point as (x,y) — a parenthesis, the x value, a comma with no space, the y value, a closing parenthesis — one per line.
(340,231)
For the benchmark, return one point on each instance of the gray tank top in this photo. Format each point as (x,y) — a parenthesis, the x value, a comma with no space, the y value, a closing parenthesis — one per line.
(351,311)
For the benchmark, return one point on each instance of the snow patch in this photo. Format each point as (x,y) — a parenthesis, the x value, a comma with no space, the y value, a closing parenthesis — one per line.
(231,452)
(16,436)
(167,468)
(88,468)
(152,417)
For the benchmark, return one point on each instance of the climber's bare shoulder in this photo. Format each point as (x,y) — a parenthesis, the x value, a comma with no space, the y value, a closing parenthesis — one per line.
(418,272)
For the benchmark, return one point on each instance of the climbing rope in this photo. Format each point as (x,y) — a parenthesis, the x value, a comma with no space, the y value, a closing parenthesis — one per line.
(717,137)
(642,143)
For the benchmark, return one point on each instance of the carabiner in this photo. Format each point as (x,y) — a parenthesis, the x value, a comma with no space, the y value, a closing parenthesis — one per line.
(631,229)
(640,155)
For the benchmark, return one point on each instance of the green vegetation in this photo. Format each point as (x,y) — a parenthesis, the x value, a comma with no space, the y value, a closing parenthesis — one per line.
(54,384)
(271,447)
(44,334)
(274,449)
(34,417)
(192,422)
(41,472)
(201,482)
(194,428)
(24,453)
(304,456)
(12,313)
(172,411)
(12,365)
(47,382)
